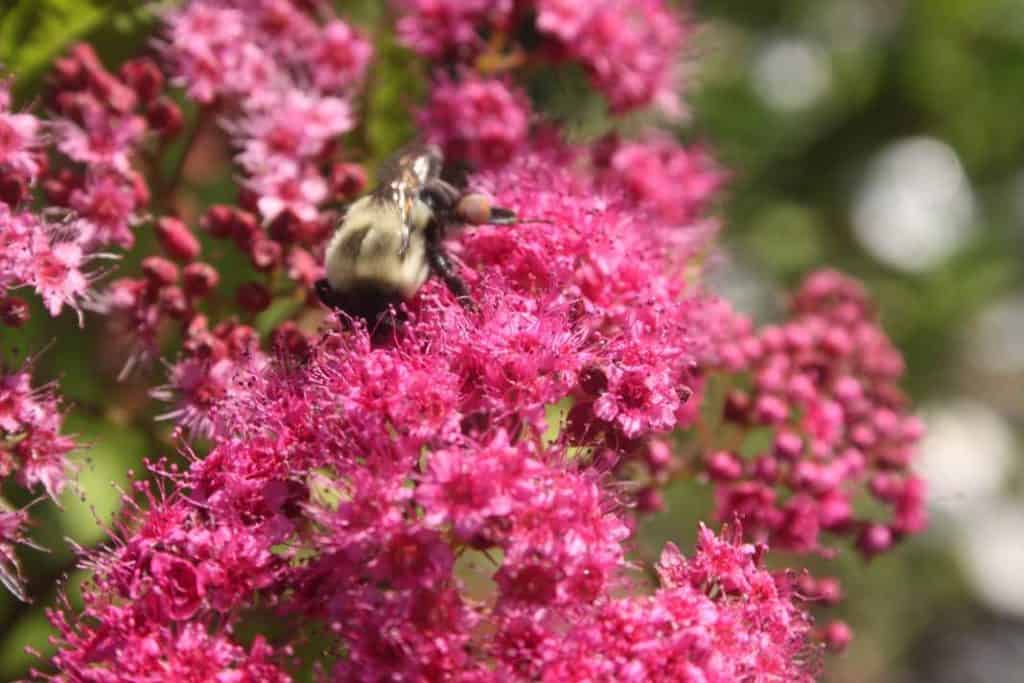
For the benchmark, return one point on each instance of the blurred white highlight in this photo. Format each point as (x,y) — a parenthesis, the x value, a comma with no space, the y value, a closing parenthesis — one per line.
(915,208)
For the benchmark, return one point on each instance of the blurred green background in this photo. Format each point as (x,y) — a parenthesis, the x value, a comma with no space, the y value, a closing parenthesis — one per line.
(881,137)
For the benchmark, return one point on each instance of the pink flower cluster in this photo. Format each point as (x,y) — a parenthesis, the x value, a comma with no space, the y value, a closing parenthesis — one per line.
(286,79)
(403,496)
(410,496)
(482,121)
(102,126)
(824,386)
(94,194)
(33,453)
(631,49)
(41,251)
(280,75)
(675,181)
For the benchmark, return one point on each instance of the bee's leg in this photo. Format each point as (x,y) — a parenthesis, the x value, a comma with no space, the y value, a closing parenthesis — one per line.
(442,266)
(369,304)
(440,196)
(502,216)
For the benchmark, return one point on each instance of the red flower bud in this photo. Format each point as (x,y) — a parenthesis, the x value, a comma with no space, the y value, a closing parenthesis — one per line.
(14,311)
(253,297)
(159,271)
(176,239)
(265,254)
(200,278)
(13,189)
(218,220)
(165,117)
(173,302)
(348,180)
(837,636)
(144,77)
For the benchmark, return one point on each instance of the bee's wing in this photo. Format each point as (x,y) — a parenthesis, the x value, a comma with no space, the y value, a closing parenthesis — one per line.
(414,164)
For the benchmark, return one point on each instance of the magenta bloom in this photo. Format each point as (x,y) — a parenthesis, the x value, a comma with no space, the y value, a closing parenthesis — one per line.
(345,489)
(483,121)
(288,186)
(19,139)
(103,139)
(107,206)
(289,126)
(439,28)
(675,181)
(339,58)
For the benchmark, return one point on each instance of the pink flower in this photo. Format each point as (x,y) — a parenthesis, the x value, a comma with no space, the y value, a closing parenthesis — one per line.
(564,19)
(482,121)
(631,49)
(640,402)
(675,181)
(57,275)
(19,139)
(208,47)
(107,207)
(436,28)
(289,127)
(102,139)
(179,584)
(339,58)
(288,186)
(716,617)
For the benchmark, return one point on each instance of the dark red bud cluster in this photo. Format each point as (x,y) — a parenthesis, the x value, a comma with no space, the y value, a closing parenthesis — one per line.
(348,181)
(13,311)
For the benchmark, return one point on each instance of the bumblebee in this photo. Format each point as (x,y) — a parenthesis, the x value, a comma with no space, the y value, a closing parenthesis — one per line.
(391,241)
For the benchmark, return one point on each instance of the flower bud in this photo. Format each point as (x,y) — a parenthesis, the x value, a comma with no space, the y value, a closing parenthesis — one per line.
(199,279)
(770,410)
(347,180)
(165,117)
(829,591)
(724,466)
(265,254)
(14,311)
(837,636)
(173,302)
(144,77)
(874,539)
(13,189)
(253,297)
(176,239)
(218,220)
(159,271)
(737,407)
(650,500)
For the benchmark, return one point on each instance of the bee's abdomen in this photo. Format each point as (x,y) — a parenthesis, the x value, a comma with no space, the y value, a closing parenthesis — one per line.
(367,254)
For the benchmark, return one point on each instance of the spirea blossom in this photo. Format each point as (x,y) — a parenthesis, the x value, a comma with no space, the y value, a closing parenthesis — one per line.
(285,78)
(711,620)
(631,50)
(33,453)
(20,143)
(47,255)
(824,385)
(343,486)
(676,181)
(449,28)
(481,121)
(451,492)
